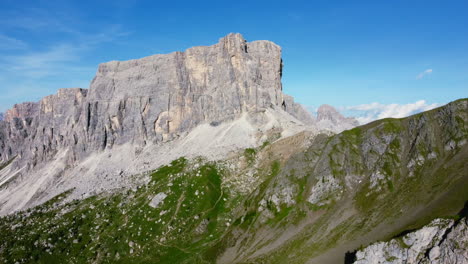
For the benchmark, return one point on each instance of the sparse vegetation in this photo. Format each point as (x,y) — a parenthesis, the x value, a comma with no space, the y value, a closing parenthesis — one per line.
(250,154)
(123,228)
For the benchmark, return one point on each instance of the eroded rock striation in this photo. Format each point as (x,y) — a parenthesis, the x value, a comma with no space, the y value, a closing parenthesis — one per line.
(441,241)
(305,198)
(298,111)
(35,131)
(152,99)
(148,101)
(158,97)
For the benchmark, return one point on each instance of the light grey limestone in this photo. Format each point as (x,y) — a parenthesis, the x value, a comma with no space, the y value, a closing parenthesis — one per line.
(232,88)
(298,111)
(157,199)
(153,99)
(442,241)
(329,118)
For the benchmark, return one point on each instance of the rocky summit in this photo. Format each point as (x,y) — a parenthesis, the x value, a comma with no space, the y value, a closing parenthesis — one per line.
(149,100)
(199,157)
(329,118)
(140,103)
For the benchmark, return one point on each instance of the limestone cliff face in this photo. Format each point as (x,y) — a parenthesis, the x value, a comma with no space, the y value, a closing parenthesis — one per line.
(298,111)
(152,99)
(158,97)
(22,111)
(34,131)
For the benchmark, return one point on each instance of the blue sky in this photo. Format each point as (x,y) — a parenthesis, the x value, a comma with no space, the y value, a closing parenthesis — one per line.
(381,56)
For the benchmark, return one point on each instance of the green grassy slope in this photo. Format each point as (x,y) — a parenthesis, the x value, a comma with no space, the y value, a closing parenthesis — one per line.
(390,175)
(124,228)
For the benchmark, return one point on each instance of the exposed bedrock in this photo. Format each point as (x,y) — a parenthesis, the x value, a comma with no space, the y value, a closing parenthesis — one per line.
(153,99)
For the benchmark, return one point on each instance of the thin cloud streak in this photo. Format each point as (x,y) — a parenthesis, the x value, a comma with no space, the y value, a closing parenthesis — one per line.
(38,20)
(32,71)
(54,59)
(9,43)
(424,73)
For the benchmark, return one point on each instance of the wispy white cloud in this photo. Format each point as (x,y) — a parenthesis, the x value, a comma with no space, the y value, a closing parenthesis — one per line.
(366,113)
(47,58)
(42,59)
(424,73)
(44,51)
(9,43)
(55,59)
(38,20)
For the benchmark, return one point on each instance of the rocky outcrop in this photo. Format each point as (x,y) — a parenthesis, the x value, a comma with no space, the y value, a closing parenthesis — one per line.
(35,131)
(144,103)
(329,118)
(306,198)
(298,111)
(361,185)
(149,100)
(155,99)
(159,97)
(442,241)
(22,111)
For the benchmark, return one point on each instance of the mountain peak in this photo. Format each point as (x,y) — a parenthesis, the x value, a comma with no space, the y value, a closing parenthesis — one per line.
(151,101)
(198,156)
(330,119)
(325,109)
(233,38)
